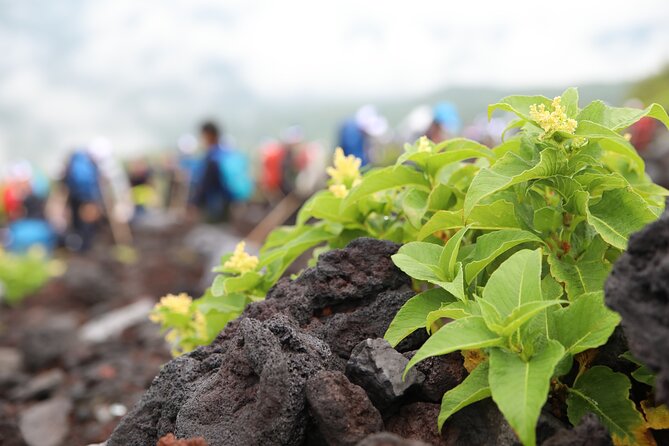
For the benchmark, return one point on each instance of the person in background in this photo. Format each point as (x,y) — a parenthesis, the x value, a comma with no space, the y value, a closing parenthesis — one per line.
(28,226)
(82,180)
(142,187)
(225,177)
(445,123)
(210,195)
(356,133)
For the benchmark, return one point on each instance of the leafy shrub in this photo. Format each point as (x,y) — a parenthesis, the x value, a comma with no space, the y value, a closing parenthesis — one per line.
(22,275)
(508,248)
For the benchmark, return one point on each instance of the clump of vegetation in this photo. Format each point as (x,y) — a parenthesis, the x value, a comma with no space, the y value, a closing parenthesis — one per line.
(508,247)
(24,274)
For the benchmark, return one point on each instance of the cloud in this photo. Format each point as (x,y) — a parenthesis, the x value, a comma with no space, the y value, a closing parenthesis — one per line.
(144,71)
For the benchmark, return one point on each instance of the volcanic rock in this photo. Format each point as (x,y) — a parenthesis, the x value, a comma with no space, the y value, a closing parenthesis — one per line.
(388,439)
(638,289)
(378,368)
(248,387)
(589,432)
(342,410)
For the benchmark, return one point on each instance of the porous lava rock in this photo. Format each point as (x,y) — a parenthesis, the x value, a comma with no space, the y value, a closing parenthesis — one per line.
(378,368)
(388,439)
(343,412)
(589,432)
(248,387)
(638,289)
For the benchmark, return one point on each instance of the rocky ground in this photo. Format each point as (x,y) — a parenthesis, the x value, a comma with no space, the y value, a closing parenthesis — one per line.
(75,357)
(308,366)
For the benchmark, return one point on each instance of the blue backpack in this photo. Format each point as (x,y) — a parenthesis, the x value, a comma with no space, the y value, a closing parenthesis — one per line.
(235,179)
(82,177)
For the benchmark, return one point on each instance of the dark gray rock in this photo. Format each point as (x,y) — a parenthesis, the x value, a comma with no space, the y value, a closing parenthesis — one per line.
(40,387)
(418,421)
(257,395)
(342,411)
(388,439)
(248,386)
(442,373)
(480,423)
(11,364)
(10,435)
(638,289)
(46,423)
(377,367)
(589,432)
(47,343)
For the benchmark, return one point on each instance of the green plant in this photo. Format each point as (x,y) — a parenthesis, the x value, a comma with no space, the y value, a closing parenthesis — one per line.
(528,292)
(24,274)
(508,248)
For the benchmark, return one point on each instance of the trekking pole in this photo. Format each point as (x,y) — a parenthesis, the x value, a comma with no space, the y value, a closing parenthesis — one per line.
(277,216)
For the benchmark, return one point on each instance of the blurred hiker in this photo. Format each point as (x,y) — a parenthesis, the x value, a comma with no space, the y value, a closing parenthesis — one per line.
(356,133)
(143,190)
(28,226)
(438,123)
(225,177)
(445,123)
(82,179)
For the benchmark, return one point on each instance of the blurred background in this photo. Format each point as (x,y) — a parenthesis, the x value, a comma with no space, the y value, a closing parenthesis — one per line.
(143,73)
(140,140)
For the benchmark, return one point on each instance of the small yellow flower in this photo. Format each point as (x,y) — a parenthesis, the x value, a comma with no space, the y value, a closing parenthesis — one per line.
(241,261)
(200,324)
(552,121)
(424,144)
(346,168)
(179,304)
(339,190)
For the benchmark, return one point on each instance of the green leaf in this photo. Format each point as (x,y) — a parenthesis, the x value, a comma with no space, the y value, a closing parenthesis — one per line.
(519,105)
(517,281)
(281,257)
(474,388)
(619,118)
(413,314)
(520,388)
(547,219)
(386,178)
(610,141)
(420,260)
(463,334)
(414,206)
(569,100)
(455,310)
(606,394)
(509,170)
(586,323)
(520,316)
(449,255)
(492,245)
(497,215)
(226,284)
(325,206)
(442,197)
(456,150)
(456,285)
(579,277)
(618,214)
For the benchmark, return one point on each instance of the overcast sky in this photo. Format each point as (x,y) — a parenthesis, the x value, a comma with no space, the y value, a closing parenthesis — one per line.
(70,66)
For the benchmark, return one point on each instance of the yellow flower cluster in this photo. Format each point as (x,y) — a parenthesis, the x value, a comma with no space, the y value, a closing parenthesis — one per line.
(424,144)
(241,261)
(179,304)
(552,121)
(345,174)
